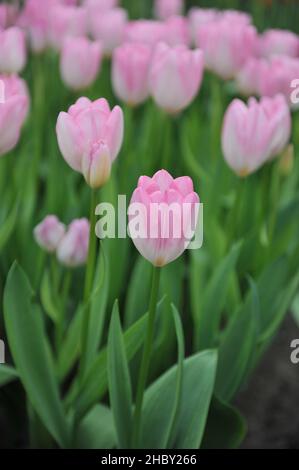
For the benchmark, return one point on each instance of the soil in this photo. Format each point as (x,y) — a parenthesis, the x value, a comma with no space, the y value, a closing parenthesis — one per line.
(270,402)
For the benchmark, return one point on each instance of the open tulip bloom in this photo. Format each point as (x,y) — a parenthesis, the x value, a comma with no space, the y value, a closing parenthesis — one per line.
(149,221)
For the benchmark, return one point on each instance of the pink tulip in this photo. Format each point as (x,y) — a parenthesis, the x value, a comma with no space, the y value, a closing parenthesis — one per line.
(35,20)
(198,17)
(165,214)
(278,42)
(8,15)
(90,137)
(227,46)
(73,248)
(175,76)
(145,31)
(177,31)
(14,106)
(80,62)
(164,9)
(94,6)
(109,28)
(49,233)
(248,78)
(130,70)
(66,21)
(254,133)
(277,77)
(235,15)
(12,50)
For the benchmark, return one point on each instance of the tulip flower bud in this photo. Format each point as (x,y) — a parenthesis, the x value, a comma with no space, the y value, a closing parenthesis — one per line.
(108,27)
(148,32)
(13,111)
(248,78)
(12,50)
(34,19)
(73,248)
(255,133)
(80,62)
(66,21)
(164,9)
(163,216)
(227,45)
(175,76)
(177,31)
(49,233)
(278,42)
(130,69)
(87,134)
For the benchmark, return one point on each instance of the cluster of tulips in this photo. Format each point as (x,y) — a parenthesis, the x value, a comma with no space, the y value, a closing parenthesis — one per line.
(187,332)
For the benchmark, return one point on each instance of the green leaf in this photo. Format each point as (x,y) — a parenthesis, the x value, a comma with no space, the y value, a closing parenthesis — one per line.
(96,430)
(7,374)
(214,299)
(47,300)
(138,291)
(96,381)
(198,384)
(237,349)
(120,390)
(8,226)
(226,427)
(31,354)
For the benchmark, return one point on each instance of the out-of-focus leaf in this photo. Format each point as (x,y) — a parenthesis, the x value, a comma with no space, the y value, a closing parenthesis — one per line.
(138,291)
(47,300)
(226,427)
(31,354)
(120,390)
(198,384)
(96,430)
(7,374)
(8,225)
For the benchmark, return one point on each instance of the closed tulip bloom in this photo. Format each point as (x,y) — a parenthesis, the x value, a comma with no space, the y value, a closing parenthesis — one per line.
(12,50)
(254,133)
(177,31)
(108,27)
(227,46)
(14,105)
(175,76)
(49,233)
(130,69)
(96,5)
(163,215)
(34,19)
(8,15)
(73,248)
(248,78)
(277,77)
(80,62)
(66,21)
(145,31)
(278,42)
(87,135)
(164,9)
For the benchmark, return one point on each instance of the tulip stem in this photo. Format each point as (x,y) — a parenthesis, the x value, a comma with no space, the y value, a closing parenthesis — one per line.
(145,362)
(92,247)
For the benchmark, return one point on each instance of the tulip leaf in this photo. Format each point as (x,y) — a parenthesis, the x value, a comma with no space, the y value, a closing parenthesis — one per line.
(198,383)
(8,225)
(7,374)
(226,427)
(214,299)
(31,354)
(96,430)
(119,381)
(47,298)
(138,291)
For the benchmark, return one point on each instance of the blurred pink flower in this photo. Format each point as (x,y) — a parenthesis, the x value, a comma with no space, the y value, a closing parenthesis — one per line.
(72,250)
(49,233)
(145,31)
(278,42)
(227,47)
(12,50)
(248,78)
(164,9)
(14,107)
(177,31)
(254,133)
(66,21)
(34,18)
(90,136)
(277,77)
(130,70)
(94,6)
(80,61)
(109,28)
(175,76)
(8,15)
(160,237)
